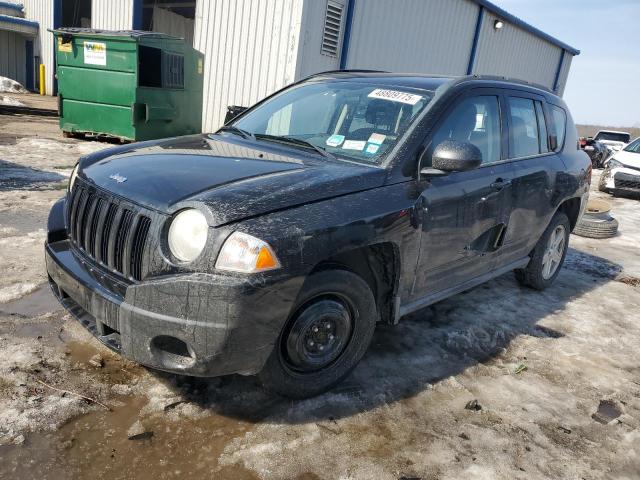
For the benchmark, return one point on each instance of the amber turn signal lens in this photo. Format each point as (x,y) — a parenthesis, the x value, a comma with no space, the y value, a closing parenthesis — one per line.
(265,260)
(244,253)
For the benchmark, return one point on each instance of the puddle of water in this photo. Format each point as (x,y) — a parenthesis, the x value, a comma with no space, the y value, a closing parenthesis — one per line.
(36,303)
(97,446)
(607,411)
(115,369)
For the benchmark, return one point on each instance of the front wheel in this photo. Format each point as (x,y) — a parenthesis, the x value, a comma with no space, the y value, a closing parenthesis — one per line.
(548,255)
(325,338)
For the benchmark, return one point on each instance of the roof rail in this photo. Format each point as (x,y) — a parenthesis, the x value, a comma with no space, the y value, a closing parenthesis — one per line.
(507,79)
(352,70)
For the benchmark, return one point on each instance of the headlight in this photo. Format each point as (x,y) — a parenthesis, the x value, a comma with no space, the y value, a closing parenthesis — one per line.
(74,174)
(613,163)
(246,254)
(188,235)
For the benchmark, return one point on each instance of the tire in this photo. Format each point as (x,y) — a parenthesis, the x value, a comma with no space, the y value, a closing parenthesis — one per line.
(603,182)
(295,369)
(596,227)
(534,274)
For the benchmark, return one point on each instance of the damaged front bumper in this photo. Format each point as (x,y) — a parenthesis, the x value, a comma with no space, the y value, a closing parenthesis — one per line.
(194,324)
(622,178)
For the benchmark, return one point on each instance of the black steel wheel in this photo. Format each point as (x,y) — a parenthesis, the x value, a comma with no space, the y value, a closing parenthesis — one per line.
(319,334)
(325,338)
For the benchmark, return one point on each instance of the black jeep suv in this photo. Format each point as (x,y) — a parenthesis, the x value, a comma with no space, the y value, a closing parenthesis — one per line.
(275,245)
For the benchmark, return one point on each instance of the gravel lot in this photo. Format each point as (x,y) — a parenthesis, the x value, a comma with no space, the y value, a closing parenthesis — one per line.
(500,382)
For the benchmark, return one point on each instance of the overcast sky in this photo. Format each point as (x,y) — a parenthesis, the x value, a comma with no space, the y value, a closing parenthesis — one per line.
(604,81)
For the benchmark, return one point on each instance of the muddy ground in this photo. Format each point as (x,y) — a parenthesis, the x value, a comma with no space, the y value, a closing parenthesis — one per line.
(553,378)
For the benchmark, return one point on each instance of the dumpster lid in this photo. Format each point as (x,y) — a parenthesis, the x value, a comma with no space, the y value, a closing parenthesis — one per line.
(92,32)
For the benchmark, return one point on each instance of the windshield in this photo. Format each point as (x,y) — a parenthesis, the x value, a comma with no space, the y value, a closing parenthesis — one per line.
(613,137)
(633,147)
(353,121)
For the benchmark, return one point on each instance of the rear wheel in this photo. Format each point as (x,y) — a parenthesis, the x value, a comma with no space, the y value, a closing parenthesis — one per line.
(325,338)
(548,255)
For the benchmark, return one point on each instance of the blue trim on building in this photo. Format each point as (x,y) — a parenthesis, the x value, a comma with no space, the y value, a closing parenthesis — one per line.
(14,6)
(57,23)
(29,72)
(476,38)
(137,15)
(18,21)
(57,13)
(556,81)
(503,14)
(344,52)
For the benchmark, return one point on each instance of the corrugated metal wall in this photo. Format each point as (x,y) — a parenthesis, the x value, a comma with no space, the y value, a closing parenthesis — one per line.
(251,50)
(516,53)
(564,73)
(112,14)
(165,21)
(41,11)
(12,56)
(310,59)
(428,36)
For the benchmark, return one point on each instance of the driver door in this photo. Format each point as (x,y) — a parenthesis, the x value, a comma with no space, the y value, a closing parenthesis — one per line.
(465,214)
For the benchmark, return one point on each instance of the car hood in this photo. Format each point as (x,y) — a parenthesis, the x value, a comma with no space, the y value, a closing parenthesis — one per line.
(234,178)
(613,144)
(628,158)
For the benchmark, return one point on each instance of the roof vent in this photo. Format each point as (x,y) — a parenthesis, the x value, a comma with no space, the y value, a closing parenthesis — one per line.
(332,28)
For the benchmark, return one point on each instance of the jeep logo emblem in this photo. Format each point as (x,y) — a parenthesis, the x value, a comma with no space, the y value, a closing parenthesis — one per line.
(118,178)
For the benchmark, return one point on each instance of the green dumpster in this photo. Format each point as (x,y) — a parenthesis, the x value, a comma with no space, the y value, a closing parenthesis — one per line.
(130,85)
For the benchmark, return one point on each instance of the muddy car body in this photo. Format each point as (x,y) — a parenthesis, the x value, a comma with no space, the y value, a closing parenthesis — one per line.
(298,241)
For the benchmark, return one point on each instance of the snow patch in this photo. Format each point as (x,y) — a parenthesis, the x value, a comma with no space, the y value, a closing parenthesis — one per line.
(16,290)
(12,102)
(11,86)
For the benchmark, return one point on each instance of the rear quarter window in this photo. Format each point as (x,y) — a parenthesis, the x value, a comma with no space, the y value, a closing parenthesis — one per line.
(558,125)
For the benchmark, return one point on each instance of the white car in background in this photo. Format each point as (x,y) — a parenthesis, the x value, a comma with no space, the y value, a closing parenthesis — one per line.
(622,170)
(612,139)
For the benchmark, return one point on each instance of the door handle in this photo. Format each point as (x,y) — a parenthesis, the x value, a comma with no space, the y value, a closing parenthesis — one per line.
(500,183)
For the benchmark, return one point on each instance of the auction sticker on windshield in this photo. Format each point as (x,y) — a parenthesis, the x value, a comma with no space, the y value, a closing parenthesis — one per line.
(354,145)
(395,96)
(335,140)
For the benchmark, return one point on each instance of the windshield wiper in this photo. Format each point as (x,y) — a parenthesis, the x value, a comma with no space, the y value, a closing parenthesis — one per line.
(243,133)
(294,141)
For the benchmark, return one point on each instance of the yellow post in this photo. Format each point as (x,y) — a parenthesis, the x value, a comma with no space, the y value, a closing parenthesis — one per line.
(43,90)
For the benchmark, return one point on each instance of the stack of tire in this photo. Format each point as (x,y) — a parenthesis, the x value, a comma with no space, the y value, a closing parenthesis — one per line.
(596,222)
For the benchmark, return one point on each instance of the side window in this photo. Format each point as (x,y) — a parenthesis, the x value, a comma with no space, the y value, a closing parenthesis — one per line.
(524,127)
(475,120)
(559,125)
(542,128)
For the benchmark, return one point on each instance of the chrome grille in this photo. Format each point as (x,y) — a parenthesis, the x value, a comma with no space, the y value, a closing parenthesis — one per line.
(112,234)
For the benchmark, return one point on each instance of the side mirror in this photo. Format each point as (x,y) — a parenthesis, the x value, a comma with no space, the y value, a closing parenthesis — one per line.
(453,156)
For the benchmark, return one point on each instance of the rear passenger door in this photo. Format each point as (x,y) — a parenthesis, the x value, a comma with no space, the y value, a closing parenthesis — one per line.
(535,167)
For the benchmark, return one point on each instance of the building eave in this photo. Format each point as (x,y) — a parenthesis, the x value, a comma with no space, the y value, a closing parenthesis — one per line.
(506,16)
(19,25)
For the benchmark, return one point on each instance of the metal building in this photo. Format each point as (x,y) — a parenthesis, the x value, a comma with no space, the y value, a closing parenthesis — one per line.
(16,44)
(254,47)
